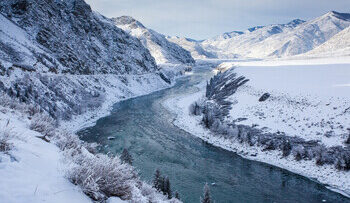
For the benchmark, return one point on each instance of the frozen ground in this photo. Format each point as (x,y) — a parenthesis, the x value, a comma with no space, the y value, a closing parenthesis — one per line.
(32,170)
(306,100)
(309,101)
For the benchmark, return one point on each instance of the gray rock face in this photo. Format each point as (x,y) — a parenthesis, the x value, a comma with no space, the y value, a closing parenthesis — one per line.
(74,39)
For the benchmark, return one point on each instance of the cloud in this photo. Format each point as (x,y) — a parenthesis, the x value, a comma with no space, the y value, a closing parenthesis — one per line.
(201,19)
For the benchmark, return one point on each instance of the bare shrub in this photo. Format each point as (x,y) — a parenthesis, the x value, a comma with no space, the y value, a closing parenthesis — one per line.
(343,161)
(101,176)
(195,109)
(44,125)
(5,135)
(33,110)
(298,152)
(5,145)
(66,140)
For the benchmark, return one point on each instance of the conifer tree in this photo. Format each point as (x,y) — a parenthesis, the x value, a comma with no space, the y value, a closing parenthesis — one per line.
(167,189)
(157,180)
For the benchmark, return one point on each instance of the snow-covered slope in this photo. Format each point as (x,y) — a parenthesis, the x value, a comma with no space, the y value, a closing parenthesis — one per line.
(53,54)
(280,40)
(193,46)
(338,45)
(248,44)
(307,36)
(161,49)
(66,36)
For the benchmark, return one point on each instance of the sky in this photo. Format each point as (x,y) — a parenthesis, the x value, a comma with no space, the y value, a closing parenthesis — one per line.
(202,19)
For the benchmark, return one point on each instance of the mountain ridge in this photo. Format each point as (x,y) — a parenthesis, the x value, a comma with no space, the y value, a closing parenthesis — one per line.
(160,48)
(272,41)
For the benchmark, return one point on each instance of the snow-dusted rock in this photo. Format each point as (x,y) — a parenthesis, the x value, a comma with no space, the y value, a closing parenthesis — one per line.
(68,37)
(67,59)
(161,49)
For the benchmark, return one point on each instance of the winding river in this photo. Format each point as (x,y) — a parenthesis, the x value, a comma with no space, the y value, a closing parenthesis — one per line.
(144,127)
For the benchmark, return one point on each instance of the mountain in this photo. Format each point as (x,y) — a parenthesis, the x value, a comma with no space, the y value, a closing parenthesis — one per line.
(66,59)
(193,46)
(160,48)
(338,45)
(67,37)
(246,44)
(279,40)
(227,35)
(307,36)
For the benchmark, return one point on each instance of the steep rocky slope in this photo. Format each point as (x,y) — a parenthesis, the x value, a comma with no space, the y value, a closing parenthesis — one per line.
(56,54)
(161,49)
(66,36)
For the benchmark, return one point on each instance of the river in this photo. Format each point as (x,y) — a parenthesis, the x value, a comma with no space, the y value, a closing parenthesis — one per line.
(145,128)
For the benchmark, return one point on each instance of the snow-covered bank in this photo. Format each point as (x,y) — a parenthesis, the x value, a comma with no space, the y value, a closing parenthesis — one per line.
(32,170)
(308,101)
(326,174)
(138,86)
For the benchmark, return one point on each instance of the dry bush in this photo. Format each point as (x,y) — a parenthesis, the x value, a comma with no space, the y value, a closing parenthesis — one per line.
(66,140)
(5,135)
(43,124)
(101,176)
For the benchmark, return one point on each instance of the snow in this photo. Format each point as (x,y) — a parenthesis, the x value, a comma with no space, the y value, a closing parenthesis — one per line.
(301,95)
(160,48)
(338,45)
(138,85)
(279,40)
(32,171)
(306,101)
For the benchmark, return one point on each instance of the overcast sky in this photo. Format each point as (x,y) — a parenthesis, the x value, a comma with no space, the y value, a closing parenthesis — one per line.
(201,19)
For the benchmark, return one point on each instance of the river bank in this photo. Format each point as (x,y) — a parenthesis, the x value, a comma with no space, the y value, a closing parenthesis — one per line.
(144,127)
(326,174)
(137,87)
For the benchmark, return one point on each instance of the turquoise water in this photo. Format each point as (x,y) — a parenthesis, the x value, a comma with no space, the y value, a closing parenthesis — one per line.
(145,128)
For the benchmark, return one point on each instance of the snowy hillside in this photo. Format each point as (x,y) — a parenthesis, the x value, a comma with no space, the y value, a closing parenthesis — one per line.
(61,63)
(66,36)
(338,45)
(248,44)
(193,46)
(280,40)
(43,41)
(161,49)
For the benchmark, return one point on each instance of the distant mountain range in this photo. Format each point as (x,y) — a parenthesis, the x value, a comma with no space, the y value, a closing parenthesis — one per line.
(297,37)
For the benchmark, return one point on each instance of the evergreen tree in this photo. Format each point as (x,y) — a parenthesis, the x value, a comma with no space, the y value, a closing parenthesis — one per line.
(157,180)
(206,195)
(167,189)
(126,157)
